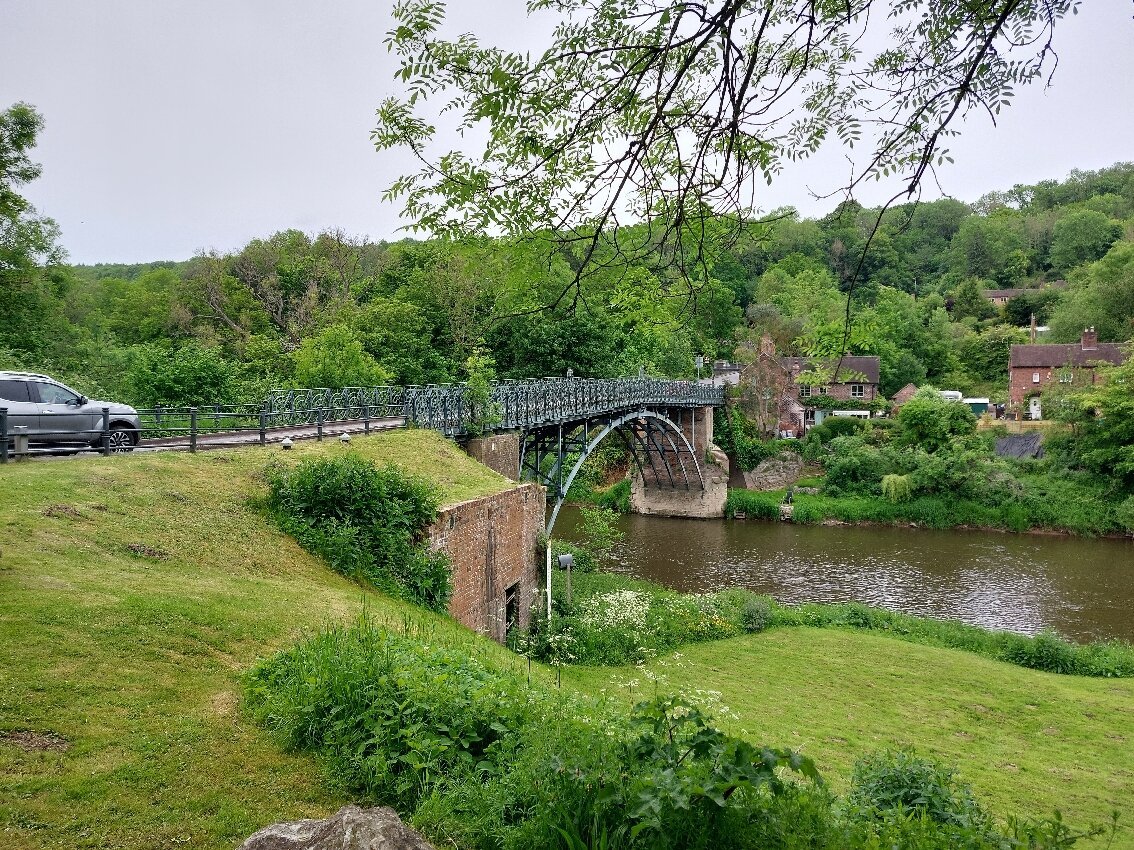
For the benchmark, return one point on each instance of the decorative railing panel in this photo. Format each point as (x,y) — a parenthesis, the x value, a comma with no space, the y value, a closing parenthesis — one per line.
(518,405)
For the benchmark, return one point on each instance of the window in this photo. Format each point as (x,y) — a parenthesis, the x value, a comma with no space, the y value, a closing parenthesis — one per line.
(857,391)
(55,394)
(1066,376)
(822,391)
(1035,377)
(511,608)
(805,392)
(14,391)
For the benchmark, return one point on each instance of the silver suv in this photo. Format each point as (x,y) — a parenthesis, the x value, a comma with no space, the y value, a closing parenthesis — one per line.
(56,414)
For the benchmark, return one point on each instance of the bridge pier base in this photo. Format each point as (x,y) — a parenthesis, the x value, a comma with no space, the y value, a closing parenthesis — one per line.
(679,502)
(649,493)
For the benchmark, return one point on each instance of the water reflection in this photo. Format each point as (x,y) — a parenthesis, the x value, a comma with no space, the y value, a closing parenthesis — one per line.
(1081,588)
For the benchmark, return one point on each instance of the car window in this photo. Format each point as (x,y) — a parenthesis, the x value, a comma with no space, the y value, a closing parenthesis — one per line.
(14,390)
(55,394)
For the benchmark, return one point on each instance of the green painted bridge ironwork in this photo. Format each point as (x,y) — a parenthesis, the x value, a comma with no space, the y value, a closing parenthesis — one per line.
(512,406)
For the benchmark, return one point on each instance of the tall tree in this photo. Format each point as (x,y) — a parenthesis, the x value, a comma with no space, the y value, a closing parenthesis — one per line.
(28,241)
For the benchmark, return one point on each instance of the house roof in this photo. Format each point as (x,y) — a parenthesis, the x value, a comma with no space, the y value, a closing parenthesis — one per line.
(1004,293)
(850,368)
(1067,354)
(905,394)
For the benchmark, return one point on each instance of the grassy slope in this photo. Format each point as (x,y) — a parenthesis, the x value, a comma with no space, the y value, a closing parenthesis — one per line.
(137,662)
(1028,741)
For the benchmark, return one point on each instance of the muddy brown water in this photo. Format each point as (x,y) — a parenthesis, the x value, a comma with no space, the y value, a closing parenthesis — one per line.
(1082,588)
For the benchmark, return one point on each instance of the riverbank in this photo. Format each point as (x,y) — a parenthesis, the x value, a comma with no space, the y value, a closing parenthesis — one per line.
(1036,516)
(135,593)
(611,619)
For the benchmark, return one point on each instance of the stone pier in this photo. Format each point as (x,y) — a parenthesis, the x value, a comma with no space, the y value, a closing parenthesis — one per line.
(653,493)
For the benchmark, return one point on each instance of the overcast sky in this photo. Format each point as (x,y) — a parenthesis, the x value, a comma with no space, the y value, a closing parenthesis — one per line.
(179,125)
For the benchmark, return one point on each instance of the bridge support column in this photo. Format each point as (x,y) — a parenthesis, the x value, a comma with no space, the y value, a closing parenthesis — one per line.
(651,495)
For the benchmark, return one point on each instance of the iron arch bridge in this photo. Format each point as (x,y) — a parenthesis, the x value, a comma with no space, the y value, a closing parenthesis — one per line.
(661,449)
(560,421)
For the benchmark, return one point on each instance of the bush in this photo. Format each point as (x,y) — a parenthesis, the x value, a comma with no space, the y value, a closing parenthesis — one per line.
(367,522)
(179,377)
(756,614)
(842,426)
(885,781)
(616,498)
(896,488)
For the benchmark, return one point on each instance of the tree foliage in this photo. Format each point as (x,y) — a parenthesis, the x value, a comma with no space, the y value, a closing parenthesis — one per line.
(28,241)
(673,114)
(931,422)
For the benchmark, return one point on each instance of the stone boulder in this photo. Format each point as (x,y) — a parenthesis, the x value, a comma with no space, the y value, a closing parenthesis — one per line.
(351,828)
(775,473)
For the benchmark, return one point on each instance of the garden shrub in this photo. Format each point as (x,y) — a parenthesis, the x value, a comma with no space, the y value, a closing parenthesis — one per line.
(843,426)
(368,522)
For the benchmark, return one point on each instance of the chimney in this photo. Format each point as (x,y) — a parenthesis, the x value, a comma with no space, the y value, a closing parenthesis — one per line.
(1090,339)
(1033,333)
(767,345)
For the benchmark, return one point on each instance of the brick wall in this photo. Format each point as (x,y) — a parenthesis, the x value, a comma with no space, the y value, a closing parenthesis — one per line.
(491,542)
(1021,385)
(843,392)
(499,452)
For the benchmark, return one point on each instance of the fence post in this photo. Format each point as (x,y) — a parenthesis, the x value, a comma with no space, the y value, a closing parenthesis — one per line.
(318,423)
(263,427)
(192,429)
(3,435)
(366,419)
(106,431)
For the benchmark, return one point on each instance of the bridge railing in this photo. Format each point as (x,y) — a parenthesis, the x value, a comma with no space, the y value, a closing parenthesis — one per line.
(515,405)
(304,406)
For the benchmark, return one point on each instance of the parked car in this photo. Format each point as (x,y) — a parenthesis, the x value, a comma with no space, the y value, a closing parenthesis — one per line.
(54,414)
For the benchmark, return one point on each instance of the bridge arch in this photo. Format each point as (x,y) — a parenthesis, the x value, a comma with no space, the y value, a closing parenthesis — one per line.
(652,437)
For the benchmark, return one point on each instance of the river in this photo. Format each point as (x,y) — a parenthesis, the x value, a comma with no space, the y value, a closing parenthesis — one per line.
(1082,588)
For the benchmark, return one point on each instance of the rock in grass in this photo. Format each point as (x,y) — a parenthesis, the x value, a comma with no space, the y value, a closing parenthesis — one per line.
(351,828)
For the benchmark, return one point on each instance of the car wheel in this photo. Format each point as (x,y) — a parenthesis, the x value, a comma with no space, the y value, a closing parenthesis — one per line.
(123,438)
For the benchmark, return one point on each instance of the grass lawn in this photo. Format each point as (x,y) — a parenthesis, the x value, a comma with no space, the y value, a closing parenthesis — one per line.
(1029,742)
(135,591)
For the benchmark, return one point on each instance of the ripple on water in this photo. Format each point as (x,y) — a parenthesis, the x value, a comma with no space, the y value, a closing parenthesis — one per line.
(1082,588)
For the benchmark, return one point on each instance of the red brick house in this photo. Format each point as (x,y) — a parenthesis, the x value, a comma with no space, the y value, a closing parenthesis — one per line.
(1031,368)
(774,396)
